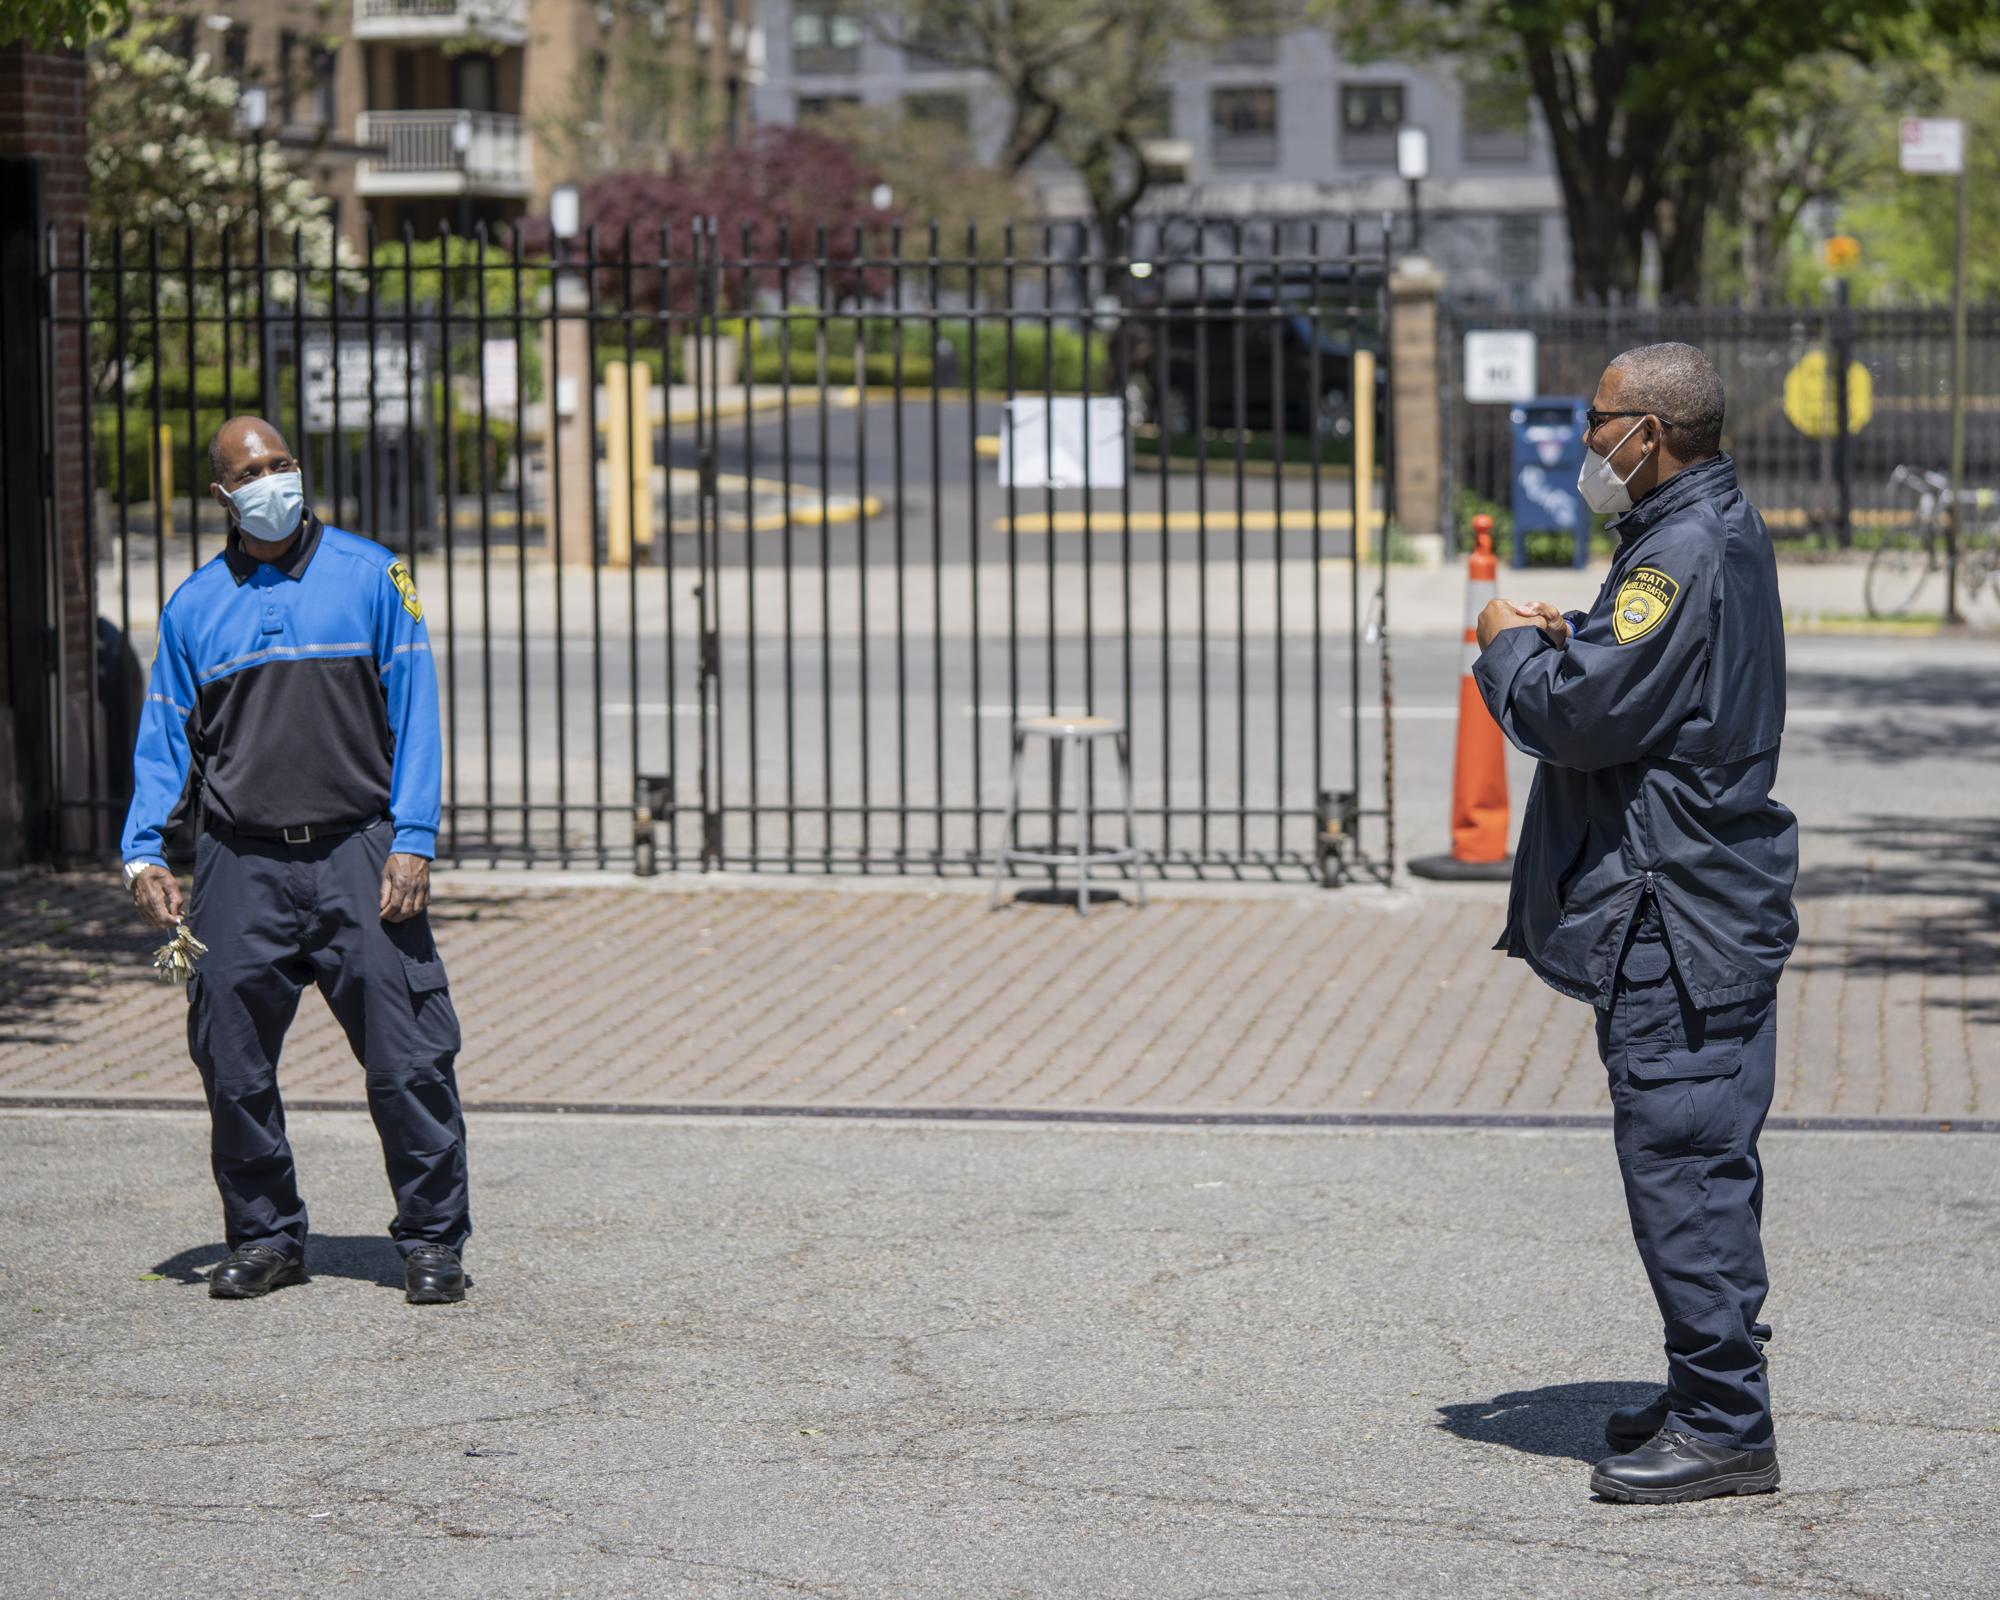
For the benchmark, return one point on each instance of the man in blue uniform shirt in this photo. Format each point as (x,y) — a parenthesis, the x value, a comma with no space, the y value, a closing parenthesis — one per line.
(1654,880)
(293,713)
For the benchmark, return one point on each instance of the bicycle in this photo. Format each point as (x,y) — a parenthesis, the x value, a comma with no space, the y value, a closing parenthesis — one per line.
(1908,558)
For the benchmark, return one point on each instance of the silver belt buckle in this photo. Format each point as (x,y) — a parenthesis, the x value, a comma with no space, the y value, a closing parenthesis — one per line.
(304,832)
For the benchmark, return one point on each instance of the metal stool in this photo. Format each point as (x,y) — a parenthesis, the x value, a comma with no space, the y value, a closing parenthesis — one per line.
(1072,732)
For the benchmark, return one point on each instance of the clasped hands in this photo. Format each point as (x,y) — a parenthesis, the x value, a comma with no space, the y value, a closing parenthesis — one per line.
(1500,615)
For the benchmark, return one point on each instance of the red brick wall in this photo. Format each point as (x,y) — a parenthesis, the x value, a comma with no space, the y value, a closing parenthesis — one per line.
(42,114)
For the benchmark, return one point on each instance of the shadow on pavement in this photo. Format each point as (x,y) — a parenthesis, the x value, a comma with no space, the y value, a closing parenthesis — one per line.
(1909,855)
(1564,1419)
(63,938)
(364,1257)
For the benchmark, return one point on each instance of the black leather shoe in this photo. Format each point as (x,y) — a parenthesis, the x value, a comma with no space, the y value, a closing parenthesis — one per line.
(432,1276)
(1631,1426)
(1674,1466)
(252,1270)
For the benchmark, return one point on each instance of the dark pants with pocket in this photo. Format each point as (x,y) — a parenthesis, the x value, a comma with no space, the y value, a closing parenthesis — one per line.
(276,917)
(1689,1092)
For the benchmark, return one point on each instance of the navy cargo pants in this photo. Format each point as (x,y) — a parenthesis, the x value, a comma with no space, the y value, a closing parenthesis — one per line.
(1689,1092)
(276,917)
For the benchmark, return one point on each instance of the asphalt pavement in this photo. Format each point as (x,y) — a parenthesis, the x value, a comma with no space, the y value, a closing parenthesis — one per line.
(784,1359)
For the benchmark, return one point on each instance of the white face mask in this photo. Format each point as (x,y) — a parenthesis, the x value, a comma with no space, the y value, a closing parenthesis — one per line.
(1602,489)
(268,508)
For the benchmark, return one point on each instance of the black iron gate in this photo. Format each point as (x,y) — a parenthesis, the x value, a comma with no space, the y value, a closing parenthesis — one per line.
(747,553)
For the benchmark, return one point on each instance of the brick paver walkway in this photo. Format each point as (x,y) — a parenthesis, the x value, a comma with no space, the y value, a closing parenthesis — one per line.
(771,997)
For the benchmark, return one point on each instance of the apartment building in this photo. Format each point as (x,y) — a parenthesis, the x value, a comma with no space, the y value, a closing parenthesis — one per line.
(399,111)
(1267,123)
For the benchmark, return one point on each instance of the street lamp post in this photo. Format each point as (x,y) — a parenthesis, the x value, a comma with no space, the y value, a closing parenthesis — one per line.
(1413,165)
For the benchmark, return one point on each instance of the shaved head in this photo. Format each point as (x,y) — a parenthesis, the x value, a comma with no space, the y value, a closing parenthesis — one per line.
(240,440)
(1676,383)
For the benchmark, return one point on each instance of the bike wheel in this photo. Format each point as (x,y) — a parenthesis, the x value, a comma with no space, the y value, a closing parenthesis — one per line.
(1897,572)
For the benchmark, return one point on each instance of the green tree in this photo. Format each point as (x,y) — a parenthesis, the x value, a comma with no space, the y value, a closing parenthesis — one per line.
(59,24)
(1082,77)
(1646,103)
(1906,224)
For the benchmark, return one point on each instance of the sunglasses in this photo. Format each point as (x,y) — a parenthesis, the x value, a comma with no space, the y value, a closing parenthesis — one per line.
(1593,420)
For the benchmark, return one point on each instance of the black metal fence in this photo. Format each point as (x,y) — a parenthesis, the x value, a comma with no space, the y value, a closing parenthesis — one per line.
(747,553)
(1812,482)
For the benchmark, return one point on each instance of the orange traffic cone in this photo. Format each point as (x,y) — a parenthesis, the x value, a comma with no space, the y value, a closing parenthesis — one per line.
(1479,776)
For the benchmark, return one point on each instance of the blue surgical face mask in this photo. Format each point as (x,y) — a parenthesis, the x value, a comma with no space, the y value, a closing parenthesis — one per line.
(268,508)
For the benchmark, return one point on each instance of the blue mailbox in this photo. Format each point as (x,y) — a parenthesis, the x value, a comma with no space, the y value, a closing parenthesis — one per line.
(1548,452)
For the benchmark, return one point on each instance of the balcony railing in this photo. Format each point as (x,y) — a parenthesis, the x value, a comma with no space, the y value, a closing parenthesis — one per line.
(505,21)
(444,152)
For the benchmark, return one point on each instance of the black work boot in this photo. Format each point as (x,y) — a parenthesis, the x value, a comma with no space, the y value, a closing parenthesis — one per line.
(432,1276)
(254,1269)
(1674,1466)
(1631,1426)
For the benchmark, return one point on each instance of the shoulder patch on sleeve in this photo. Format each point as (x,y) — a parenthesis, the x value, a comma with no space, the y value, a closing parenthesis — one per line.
(406,586)
(1644,599)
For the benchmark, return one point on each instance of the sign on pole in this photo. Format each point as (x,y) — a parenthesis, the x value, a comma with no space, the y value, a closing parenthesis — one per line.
(1500,367)
(1934,145)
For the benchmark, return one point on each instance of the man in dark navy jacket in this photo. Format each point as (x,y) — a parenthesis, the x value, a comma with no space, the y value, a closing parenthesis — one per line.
(1654,880)
(293,707)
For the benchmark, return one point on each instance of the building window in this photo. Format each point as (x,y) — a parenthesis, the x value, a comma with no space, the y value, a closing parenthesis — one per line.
(472,82)
(1243,127)
(321,100)
(235,52)
(1496,122)
(1370,114)
(404,67)
(826,37)
(288,80)
(814,107)
(1519,255)
(945,111)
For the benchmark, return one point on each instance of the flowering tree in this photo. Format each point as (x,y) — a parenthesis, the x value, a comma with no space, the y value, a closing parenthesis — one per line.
(165,151)
(781,183)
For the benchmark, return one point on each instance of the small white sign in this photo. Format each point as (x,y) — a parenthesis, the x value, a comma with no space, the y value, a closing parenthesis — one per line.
(1934,145)
(1068,442)
(497,366)
(1500,367)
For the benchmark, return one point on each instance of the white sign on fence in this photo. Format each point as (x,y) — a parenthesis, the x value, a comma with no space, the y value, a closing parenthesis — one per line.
(1500,367)
(379,395)
(1934,145)
(497,359)
(1065,442)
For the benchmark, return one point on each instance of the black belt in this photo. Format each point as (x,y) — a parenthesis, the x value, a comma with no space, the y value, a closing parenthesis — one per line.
(304,832)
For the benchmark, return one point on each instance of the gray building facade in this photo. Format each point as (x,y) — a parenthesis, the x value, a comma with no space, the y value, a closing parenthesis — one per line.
(1271,125)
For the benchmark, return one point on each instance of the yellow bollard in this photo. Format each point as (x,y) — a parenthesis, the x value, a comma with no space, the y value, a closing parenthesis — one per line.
(1363,400)
(628,459)
(163,478)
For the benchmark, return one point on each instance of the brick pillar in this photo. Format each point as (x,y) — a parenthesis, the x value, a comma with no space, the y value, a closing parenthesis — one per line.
(52,740)
(1414,395)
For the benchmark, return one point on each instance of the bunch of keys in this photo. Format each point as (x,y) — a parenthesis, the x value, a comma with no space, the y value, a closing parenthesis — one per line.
(174,961)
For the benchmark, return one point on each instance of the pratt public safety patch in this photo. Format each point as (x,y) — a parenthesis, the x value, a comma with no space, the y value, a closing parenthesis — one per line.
(1643,600)
(406,586)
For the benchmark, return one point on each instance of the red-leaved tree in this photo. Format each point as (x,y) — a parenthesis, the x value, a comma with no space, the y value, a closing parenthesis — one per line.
(783,194)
